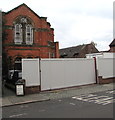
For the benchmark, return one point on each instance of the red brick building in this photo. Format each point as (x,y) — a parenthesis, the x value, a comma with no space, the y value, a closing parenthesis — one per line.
(28,36)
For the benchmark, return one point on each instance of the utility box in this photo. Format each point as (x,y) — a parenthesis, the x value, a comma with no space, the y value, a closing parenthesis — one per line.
(20,87)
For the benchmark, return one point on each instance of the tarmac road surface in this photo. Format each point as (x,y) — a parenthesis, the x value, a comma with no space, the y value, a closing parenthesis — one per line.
(92,105)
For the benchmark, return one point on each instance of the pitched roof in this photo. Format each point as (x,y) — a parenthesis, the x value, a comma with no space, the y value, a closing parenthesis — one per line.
(112,43)
(27,7)
(71,51)
(41,17)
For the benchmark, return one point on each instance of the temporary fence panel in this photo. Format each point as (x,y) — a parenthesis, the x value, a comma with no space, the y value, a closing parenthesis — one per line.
(61,73)
(105,67)
(30,72)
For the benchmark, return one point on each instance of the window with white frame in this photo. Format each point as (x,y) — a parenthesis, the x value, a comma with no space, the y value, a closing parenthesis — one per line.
(18,34)
(23,31)
(29,34)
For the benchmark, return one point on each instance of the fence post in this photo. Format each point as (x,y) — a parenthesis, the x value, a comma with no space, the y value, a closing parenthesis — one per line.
(96,75)
(40,72)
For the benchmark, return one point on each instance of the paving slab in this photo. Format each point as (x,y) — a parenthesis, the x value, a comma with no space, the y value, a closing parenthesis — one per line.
(69,92)
(6,102)
(16,100)
(55,94)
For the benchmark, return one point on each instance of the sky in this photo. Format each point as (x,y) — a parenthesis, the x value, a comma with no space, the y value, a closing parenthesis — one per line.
(75,22)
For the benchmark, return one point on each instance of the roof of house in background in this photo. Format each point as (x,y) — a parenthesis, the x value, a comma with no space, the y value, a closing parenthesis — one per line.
(112,43)
(70,51)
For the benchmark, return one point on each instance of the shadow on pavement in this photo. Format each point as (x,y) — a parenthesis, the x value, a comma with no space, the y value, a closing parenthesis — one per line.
(8,92)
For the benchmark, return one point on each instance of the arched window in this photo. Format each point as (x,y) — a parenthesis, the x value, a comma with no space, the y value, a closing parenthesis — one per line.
(18,34)
(23,31)
(29,34)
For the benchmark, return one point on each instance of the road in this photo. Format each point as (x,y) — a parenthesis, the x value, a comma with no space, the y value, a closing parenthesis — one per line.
(95,105)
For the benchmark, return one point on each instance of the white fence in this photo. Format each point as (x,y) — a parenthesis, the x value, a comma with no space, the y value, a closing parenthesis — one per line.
(30,72)
(105,67)
(61,73)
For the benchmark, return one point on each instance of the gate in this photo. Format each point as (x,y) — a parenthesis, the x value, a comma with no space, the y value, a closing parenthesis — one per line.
(62,73)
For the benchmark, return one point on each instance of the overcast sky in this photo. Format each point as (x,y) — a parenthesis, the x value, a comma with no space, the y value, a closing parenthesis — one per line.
(75,22)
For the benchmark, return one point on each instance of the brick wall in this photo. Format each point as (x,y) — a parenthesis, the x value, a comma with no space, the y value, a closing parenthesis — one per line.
(105,80)
(43,33)
(32,89)
(112,49)
(89,48)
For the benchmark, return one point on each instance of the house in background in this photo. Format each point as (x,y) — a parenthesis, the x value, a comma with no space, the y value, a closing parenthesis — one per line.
(28,36)
(104,54)
(79,51)
(112,46)
(101,55)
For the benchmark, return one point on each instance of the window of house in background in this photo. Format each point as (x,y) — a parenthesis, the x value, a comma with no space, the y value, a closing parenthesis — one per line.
(23,31)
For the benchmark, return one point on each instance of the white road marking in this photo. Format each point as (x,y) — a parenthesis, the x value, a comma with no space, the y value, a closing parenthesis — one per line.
(84,96)
(71,103)
(24,106)
(100,98)
(107,102)
(17,115)
(94,98)
(74,97)
(103,100)
(111,92)
(87,96)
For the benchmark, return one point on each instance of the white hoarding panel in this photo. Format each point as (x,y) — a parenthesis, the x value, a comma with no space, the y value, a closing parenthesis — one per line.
(30,72)
(60,73)
(105,67)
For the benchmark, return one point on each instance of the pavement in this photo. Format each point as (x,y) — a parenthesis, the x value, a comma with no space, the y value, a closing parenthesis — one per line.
(10,97)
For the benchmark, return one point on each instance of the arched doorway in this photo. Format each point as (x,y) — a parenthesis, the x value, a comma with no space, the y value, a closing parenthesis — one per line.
(18,63)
